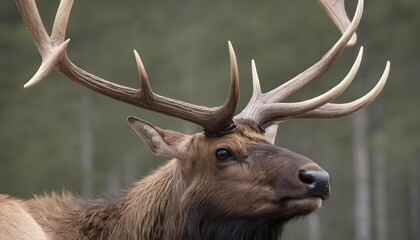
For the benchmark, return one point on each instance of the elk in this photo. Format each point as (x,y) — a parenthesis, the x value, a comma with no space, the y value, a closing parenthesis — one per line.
(227,182)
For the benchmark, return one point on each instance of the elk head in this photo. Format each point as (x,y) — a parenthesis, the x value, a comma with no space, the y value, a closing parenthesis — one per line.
(232,167)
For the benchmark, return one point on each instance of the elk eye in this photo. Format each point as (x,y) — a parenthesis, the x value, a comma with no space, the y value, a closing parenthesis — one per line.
(223,154)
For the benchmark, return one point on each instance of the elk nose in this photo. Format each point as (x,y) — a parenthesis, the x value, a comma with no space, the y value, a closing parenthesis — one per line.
(317,181)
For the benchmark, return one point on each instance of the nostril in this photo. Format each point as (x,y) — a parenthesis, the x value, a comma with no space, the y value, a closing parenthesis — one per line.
(317,181)
(307,177)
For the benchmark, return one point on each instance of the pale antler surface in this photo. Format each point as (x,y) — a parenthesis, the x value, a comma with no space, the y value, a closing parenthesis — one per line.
(267,109)
(54,57)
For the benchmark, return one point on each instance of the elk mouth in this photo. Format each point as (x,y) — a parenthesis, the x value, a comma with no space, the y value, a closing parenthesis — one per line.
(301,206)
(305,198)
(308,200)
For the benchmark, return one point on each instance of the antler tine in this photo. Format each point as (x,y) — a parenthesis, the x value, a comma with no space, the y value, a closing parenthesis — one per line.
(229,107)
(336,11)
(49,63)
(268,113)
(318,69)
(249,110)
(32,19)
(145,91)
(52,50)
(335,110)
(60,22)
(256,86)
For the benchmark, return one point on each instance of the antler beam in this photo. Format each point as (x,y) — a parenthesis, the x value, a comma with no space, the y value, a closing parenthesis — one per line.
(53,52)
(267,109)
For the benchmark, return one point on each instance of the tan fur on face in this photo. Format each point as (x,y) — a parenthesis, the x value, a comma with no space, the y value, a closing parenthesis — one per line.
(202,149)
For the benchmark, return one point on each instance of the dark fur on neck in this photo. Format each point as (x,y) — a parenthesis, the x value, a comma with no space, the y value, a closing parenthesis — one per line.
(198,225)
(239,229)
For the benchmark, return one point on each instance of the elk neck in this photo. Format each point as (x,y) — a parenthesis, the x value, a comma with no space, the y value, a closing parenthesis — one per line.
(142,212)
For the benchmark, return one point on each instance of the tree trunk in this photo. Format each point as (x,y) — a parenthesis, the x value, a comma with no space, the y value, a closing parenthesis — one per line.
(314,231)
(361,174)
(86,147)
(380,187)
(414,209)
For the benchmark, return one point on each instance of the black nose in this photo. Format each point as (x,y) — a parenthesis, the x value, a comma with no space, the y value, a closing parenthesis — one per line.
(317,181)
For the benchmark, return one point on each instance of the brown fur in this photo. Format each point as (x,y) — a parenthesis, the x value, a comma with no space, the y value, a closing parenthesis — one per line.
(193,196)
(140,213)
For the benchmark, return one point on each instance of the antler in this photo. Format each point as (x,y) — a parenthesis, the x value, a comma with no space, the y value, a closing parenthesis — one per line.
(53,52)
(337,12)
(267,109)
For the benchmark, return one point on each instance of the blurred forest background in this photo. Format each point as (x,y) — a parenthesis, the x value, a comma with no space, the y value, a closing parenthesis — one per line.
(58,135)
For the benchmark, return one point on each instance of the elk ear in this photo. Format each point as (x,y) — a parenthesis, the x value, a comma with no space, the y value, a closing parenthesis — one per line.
(162,142)
(271,132)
